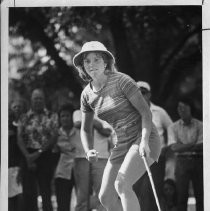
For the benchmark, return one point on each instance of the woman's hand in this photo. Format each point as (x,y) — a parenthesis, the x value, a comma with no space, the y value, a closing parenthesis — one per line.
(144,149)
(92,155)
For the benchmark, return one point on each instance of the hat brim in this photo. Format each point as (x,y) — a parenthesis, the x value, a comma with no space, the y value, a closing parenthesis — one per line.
(77,60)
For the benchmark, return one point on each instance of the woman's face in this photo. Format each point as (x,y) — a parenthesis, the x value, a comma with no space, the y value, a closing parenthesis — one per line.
(94,64)
(65,119)
(17,108)
(184,110)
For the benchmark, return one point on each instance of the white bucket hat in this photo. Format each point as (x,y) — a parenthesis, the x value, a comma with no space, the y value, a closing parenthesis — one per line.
(88,47)
(143,84)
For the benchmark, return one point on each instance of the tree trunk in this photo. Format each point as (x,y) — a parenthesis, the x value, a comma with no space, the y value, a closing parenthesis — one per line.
(168,76)
(123,56)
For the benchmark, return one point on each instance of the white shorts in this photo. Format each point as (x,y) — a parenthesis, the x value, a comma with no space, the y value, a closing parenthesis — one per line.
(13,187)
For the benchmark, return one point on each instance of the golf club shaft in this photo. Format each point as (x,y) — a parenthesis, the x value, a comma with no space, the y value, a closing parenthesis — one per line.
(152,182)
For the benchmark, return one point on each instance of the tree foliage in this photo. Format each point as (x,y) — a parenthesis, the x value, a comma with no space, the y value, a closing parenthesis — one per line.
(158,44)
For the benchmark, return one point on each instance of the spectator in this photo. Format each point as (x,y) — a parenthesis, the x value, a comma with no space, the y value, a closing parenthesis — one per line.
(91,172)
(186,139)
(14,157)
(160,116)
(169,198)
(64,178)
(162,120)
(36,137)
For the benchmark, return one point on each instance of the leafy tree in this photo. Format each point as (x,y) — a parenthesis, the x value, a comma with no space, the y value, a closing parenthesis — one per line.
(161,45)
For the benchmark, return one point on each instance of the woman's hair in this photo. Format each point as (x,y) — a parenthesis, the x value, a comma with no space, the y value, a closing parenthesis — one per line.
(110,68)
(187,101)
(66,107)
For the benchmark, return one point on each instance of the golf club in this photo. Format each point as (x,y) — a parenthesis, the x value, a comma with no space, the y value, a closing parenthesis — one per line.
(151,181)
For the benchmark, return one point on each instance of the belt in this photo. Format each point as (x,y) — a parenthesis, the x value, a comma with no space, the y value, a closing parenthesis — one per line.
(189,154)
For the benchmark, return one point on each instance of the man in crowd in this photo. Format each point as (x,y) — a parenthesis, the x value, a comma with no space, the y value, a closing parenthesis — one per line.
(36,137)
(88,176)
(186,139)
(162,120)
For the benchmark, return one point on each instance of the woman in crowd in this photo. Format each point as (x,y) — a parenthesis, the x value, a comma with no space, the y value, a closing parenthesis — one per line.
(64,179)
(115,98)
(15,201)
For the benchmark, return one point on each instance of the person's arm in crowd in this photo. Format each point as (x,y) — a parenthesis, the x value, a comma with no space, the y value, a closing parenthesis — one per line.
(97,124)
(175,144)
(30,157)
(99,127)
(20,141)
(61,145)
(167,121)
(180,147)
(52,141)
(198,147)
(53,134)
(199,144)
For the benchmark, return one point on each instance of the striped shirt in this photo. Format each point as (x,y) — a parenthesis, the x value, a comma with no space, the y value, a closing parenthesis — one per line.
(112,105)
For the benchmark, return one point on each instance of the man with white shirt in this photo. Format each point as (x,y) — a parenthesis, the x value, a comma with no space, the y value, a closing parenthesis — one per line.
(186,140)
(161,120)
(160,117)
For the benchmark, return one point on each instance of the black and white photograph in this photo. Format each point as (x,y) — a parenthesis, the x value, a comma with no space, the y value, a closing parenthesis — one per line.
(105,106)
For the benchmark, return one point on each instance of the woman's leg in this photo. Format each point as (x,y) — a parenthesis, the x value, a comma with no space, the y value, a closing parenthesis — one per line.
(97,170)
(130,171)
(108,195)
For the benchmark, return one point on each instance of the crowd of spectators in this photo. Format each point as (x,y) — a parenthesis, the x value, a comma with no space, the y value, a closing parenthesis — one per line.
(46,157)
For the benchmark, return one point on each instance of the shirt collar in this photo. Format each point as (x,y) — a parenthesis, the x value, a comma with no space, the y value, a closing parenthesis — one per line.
(31,112)
(182,122)
(71,132)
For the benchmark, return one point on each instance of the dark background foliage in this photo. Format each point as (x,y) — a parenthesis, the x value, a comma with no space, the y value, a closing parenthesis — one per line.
(158,44)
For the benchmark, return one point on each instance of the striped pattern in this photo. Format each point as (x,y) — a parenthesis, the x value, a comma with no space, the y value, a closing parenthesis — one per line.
(111,102)
(112,105)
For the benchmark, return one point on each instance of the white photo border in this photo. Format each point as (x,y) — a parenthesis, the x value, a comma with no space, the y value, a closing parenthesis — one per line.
(5,4)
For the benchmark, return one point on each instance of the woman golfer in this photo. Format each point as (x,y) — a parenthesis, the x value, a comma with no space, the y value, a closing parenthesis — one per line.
(115,98)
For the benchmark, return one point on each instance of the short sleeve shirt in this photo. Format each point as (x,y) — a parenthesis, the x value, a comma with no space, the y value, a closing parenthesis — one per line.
(178,132)
(112,105)
(162,121)
(38,129)
(67,149)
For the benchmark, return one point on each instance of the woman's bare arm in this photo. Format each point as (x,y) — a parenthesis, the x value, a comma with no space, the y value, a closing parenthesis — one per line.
(86,131)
